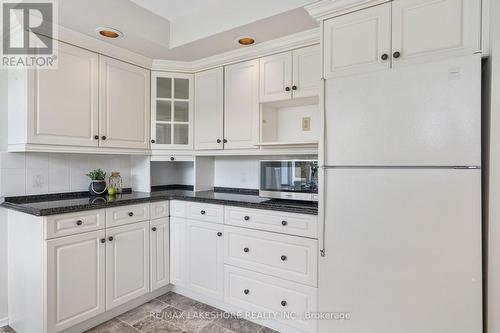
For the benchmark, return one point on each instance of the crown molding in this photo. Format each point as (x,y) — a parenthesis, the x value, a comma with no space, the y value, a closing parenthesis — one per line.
(325,9)
(301,39)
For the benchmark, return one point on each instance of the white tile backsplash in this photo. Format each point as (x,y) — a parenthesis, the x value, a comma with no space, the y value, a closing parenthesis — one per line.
(38,173)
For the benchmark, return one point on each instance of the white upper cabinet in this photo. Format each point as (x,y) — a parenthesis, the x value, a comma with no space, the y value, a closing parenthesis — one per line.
(306,71)
(276,77)
(431,28)
(358,42)
(400,32)
(241,100)
(290,74)
(124,99)
(209,109)
(56,106)
(172,111)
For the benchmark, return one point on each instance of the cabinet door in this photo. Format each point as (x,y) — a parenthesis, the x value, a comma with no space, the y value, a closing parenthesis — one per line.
(127,263)
(205,259)
(172,111)
(178,248)
(75,279)
(306,71)
(124,100)
(65,100)
(276,77)
(428,29)
(241,114)
(159,250)
(357,42)
(209,108)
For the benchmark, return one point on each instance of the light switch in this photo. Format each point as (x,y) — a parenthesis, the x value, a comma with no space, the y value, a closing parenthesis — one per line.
(306,123)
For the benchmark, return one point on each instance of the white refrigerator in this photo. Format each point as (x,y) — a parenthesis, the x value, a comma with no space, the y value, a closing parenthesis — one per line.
(400,207)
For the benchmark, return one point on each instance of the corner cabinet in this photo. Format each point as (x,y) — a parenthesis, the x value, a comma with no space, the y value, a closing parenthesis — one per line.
(124,105)
(172,110)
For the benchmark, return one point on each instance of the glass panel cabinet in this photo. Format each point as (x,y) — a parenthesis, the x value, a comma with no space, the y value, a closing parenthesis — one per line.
(172,110)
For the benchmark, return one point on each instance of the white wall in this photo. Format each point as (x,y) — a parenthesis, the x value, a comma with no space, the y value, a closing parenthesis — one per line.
(172,173)
(493,204)
(238,172)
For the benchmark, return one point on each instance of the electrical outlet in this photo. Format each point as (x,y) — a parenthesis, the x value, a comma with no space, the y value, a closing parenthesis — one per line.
(306,123)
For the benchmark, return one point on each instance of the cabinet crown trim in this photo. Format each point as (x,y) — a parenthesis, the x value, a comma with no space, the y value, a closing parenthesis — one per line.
(325,9)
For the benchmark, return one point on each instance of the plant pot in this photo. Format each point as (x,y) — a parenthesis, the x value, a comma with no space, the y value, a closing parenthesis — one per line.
(97,187)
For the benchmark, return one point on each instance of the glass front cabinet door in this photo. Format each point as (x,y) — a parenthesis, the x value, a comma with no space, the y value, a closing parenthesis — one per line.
(172,110)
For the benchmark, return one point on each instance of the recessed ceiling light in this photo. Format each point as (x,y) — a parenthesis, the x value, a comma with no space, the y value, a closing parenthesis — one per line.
(109,32)
(246,40)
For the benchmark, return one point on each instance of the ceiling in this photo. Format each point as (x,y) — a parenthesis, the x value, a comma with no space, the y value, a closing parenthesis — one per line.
(186,30)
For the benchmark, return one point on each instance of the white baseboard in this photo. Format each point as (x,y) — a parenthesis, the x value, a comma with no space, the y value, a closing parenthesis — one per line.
(4,321)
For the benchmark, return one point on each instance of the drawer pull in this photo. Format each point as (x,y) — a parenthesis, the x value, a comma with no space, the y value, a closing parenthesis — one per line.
(131,214)
(79,222)
(103,240)
(283,303)
(247,218)
(203,212)
(283,258)
(246,250)
(154,228)
(110,238)
(219,234)
(284,223)
(246,291)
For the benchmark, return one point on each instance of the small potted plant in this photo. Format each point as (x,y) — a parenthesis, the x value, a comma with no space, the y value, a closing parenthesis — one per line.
(98,185)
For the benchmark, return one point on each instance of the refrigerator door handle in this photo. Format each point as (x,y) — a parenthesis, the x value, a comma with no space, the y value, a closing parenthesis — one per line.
(321,211)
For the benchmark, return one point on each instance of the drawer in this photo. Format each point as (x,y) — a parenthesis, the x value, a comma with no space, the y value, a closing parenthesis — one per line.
(257,292)
(289,257)
(286,223)
(159,209)
(198,211)
(74,223)
(126,214)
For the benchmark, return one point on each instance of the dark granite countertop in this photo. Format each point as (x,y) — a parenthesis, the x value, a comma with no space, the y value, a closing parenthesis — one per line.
(60,204)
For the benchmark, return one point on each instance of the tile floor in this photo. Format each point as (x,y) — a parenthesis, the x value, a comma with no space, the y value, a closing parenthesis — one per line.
(174,313)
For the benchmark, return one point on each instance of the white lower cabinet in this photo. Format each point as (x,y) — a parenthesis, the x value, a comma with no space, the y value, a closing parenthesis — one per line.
(266,294)
(178,249)
(127,263)
(159,251)
(75,279)
(205,259)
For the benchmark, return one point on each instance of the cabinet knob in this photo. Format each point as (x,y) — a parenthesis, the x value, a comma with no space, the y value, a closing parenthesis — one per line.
(287,89)
(247,218)
(103,137)
(219,141)
(172,158)
(131,214)
(96,137)
(219,234)
(103,240)
(397,54)
(246,291)
(79,222)
(294,87)
(153,141)
(110,238)
(153,228)
(203,212)
(224,141)
(246,249)
(284,223)
(384,56)
(283,303)
(283,258)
